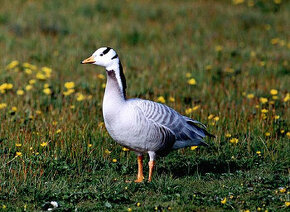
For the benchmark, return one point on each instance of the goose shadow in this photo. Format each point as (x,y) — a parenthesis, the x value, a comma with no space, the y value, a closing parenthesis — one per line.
(202,167)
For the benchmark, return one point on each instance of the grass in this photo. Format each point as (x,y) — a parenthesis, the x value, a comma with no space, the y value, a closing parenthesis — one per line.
(55,147)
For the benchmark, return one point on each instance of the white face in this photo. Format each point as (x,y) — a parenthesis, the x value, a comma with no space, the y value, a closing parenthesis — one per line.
(104,56)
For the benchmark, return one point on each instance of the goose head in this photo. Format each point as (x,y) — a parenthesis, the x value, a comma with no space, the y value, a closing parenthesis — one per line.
(105,57)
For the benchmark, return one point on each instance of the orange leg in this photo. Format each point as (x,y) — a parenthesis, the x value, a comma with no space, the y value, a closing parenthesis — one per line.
(151,167)
(140,175)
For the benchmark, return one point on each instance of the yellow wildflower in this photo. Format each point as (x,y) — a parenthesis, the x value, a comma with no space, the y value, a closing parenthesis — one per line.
(47,71)
(107,152)
(228,135)
(72,107)
(103,85)
(114,160)
(282,42)
(18,154)
(12,65)
(3,105)
(191,81)
(253,54)
(277,1)
(216,118)
(101,124)
(3,206)
(234,140)
(129,209)
(47,91)
(250,96)
(161,99)
(274,41)
(208,67)
(40,76)
(264,116)
(9,86)
(188,111)
(171,99)
(218,48)
(58,131)
(20,92)
(18,145)
(287,97)
(28,71)
(193,147)
(264,111)
(195,107)
(210,116)
(90,145)
(275,97)
(68,92)
(69,85)
(3,86)
(276,117)
(38,112)
(258,153)
(14,109)
(282,189)
(101,76)
(273,92)
(262,63)
(267,134)
(287,204)
(32,81)
(44,144)
(46,85)
(224,201)
(28,87)
(138,204)
(263,100)
(229,70)
(125,149)
(288,134)
(188,75)
(30,66)
(80,97)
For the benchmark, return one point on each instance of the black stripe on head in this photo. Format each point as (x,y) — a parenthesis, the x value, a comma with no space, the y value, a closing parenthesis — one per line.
(106,50)
(116,56)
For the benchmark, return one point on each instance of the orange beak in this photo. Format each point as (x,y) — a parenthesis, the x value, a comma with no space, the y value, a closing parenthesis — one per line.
(88,60)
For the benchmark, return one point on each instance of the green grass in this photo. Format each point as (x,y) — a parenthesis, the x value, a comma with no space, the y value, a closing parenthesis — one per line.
(230,50)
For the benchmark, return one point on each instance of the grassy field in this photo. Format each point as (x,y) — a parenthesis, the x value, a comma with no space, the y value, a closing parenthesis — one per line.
(224,63)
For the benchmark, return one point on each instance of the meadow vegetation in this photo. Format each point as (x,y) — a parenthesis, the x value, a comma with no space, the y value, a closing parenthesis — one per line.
(224,63)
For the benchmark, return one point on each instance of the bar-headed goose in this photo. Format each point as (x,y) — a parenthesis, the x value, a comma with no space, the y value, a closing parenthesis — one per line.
(141,125)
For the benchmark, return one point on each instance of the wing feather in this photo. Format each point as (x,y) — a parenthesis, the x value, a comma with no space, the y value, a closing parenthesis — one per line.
(185,130)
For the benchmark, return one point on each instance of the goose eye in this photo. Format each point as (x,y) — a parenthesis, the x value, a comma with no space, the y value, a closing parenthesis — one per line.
(101,54)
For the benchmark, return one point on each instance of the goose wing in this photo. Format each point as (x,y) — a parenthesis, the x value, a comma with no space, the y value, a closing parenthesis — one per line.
(187,131)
